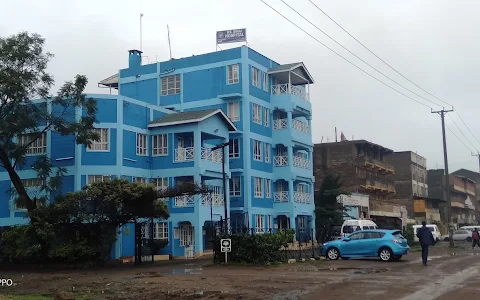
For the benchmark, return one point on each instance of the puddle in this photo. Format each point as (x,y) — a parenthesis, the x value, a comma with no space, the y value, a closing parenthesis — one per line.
(186,271)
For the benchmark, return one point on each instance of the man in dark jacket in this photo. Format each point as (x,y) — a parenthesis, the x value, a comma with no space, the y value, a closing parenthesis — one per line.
(475,238)
(426,239)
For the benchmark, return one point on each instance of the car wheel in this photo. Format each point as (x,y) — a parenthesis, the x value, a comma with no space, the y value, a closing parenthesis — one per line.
(333,254)
(397,257)
(345,258)
(469,239)
(385,254)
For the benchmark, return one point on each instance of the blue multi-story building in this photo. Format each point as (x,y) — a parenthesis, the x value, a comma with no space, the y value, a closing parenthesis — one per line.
(161,127)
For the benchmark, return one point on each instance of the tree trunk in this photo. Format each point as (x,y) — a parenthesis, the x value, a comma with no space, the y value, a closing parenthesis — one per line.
(17,182)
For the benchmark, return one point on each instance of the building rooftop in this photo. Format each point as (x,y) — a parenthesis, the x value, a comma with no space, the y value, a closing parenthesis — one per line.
(190,117)
(296,73)
(355,142)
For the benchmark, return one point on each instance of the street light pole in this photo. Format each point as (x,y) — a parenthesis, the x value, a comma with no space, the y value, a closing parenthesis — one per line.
(224,179)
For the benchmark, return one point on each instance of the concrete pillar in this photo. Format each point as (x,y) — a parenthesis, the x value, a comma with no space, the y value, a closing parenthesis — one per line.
(290,191)
(197,143)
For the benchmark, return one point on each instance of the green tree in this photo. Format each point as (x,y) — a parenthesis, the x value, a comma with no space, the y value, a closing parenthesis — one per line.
(23,77)
(327,209)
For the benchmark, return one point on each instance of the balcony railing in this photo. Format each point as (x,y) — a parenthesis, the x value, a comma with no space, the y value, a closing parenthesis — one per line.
(184,154)
(286,88)
(280,197)
(213,156)
(301,162)
(280,161)
(216,200)
(301,197)
(300,126)
(280,124)
(377,164)
(184,201)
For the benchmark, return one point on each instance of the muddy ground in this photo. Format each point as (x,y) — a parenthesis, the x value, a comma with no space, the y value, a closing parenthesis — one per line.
(366,279)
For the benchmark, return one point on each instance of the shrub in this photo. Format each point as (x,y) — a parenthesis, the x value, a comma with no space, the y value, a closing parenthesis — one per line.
(252,249)
(407,233)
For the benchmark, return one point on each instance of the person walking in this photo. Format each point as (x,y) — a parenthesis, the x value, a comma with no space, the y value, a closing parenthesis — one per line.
(475,238)
(426,239)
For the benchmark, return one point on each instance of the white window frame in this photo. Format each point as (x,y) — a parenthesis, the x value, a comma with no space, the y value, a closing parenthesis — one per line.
(268,188)
(233,74)
(235,182)
(258,187)
(170,85)
(259,223)
(265,82)
(33,182)
(233,111)
(142,148)
(270,223)
(160,231)
(160,145)
(257,113)
(39,146)
(102,145)
(97,178)
(266,117)
(302,223)
(255,77)
(267,154)
(139,180)
(257,150)
(234,149)
(160,183)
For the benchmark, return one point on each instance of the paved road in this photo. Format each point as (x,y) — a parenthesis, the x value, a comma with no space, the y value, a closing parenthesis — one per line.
(449,276)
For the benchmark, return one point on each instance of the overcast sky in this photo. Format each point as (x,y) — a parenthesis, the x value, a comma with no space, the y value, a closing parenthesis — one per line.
(433,43)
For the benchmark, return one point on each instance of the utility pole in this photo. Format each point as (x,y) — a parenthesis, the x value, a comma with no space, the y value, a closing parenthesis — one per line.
(224,179)
(477,155)
(447,175)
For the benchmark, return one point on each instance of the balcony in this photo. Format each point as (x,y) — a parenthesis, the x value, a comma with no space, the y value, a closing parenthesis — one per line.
(376,185)
(297,125)
(280,161)
(379,165)
(213,156)
(184,201)
(280,124)
(280,197)
(184,154)
(215,200)
(300,162)
(301,197)
(286,88)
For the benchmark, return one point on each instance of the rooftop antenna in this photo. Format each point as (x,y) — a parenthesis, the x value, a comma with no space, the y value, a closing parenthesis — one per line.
(169,44)
(141,16)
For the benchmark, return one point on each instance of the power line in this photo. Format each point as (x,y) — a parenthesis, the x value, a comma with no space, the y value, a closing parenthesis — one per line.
(391,67)
(319,29)
(353,64)
(462,133)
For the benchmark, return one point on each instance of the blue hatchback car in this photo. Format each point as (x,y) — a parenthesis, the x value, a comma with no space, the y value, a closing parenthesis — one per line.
(388,245)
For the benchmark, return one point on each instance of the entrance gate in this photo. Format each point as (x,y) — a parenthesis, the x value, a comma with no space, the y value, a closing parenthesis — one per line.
(144,246)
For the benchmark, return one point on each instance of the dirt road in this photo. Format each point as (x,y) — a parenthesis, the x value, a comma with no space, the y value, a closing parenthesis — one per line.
(448,276)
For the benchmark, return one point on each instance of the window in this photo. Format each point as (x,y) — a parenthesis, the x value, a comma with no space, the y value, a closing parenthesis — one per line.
(268,190)
(258,187)
(233,111)
(170,85)
(270,223)
(37,143)
(302,224)
(266,117)
(139,179)
(102,143)
(141,144)
(267,152)
(235,186)
(233,150)
(265,82)
(259,223)
(256,114)
(97,178)
(160,183)
(33,182)
(255,77)
(232,74)
(357,236)
(257,150)
(160,231)
(160,144)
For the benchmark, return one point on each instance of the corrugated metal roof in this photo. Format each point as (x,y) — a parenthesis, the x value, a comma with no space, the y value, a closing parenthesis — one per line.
(189,117)
(110,81)
(286,67)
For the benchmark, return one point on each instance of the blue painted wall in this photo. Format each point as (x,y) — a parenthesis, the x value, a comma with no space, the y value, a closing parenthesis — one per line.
(198,60)
(4,199)
(136,115)
(98,158)
(63,152)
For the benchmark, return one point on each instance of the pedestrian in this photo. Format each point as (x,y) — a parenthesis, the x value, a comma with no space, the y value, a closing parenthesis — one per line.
(426,239)
(475,238)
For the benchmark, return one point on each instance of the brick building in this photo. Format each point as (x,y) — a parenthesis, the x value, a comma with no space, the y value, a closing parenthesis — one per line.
(475,176)
(410,177)
(363,169)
